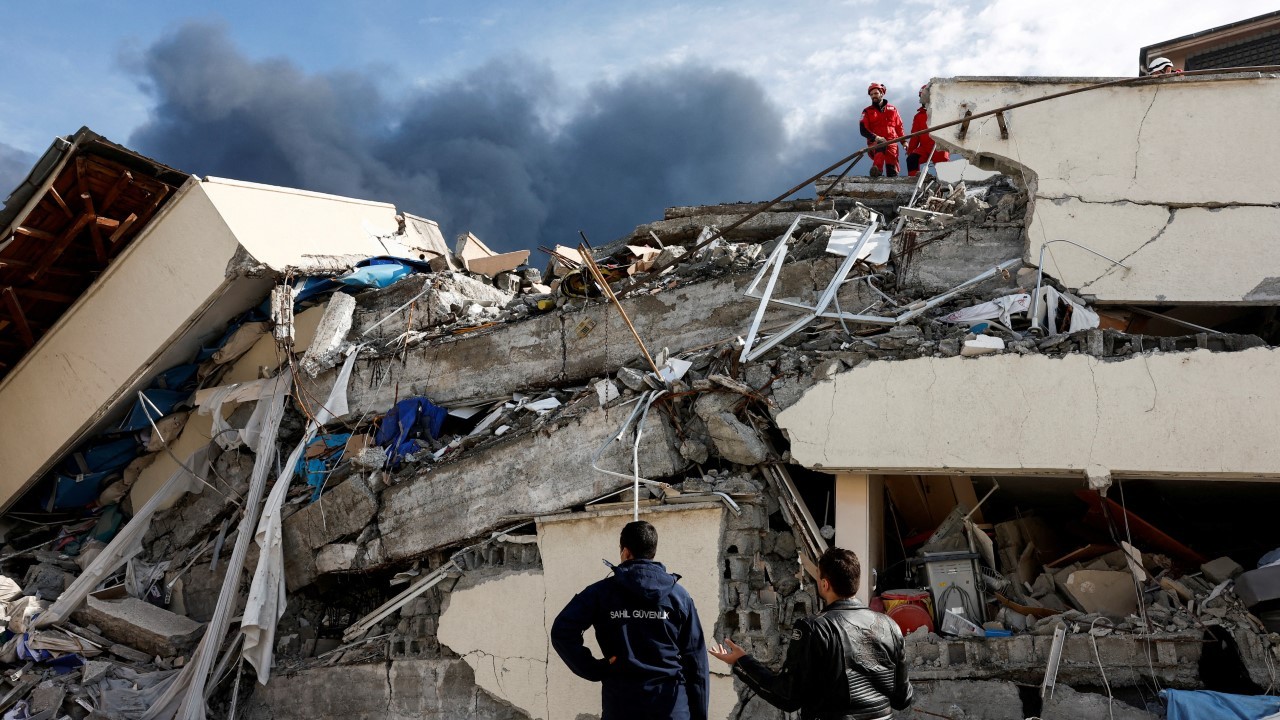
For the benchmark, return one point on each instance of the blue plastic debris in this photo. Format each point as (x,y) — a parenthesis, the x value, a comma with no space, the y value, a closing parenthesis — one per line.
(1210,705)
(315,470)
(400,423)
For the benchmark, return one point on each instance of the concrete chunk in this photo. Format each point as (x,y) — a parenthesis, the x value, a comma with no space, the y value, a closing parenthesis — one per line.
(141,625)
(1103,591)
(345,510)
(331,335)
(1223,568)
(982,345)
(735,440)
(336,557)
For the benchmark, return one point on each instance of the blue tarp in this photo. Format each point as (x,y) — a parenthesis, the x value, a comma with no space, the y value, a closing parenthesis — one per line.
(101,456)
(374,272)
(65,492)
(375,276)
(315,470)
(1210,705)
(162,402)
(402,420)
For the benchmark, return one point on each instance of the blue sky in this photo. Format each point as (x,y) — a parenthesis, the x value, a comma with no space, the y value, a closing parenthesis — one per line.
(526,122)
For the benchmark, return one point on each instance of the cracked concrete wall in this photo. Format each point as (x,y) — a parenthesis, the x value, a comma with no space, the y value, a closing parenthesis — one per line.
(535,473)
(1142,174)
(500,626)
(1197,414)
(399,690)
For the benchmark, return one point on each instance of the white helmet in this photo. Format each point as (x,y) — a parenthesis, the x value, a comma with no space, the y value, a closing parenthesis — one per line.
(1158,64)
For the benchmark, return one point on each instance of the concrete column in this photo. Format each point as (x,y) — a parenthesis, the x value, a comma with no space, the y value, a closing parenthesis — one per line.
(860,522)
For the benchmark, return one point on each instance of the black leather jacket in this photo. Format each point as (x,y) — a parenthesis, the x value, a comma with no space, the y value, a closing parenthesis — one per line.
(844,663)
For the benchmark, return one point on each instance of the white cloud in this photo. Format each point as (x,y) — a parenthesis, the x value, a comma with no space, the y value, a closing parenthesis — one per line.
(815,59)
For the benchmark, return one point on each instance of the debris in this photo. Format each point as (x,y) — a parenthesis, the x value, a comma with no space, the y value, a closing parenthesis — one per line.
(282,302)
(1221,569)
(607,392)
(330,336)
(1103,591)
(141,625)
(478,258)
(336,557)
(982,345)
(999,309)
(239,342)
(542,406)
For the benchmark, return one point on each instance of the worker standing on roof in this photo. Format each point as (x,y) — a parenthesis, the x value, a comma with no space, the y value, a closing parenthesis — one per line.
(1162,66)
(655,657)
(881,123)
(920,148)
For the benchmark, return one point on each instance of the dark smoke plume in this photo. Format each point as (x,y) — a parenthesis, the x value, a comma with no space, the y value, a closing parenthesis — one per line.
(475,154)
(14,166)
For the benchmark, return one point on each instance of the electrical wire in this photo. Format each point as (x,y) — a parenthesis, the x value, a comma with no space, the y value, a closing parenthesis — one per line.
(1094,639)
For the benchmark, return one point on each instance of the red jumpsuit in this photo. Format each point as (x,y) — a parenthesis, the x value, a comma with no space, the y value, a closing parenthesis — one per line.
(883,120)
(919,147)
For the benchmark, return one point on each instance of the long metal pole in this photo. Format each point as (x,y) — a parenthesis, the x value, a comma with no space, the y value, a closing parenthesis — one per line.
(853,156)
(590,261)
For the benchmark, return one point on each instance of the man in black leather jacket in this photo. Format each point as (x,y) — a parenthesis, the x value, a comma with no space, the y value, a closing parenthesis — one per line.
(844,664)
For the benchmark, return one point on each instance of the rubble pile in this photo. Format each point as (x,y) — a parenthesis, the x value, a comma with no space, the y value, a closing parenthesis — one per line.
(329,532)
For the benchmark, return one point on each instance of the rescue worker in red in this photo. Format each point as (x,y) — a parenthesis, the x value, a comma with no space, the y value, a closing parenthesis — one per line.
(881,123)
(1162,66)
(920,147)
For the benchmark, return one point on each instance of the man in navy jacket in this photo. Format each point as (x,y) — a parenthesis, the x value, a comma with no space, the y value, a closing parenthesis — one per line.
(655,658)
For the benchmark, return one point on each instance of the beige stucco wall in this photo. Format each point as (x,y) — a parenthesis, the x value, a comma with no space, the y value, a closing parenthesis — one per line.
(76,371)
(153,305)
(1195,414)
(281,226)
(501,627)
(1173,178)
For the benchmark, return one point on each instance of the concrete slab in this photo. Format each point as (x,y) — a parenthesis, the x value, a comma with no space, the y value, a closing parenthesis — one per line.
(344,510)
(531,474)
(141,625)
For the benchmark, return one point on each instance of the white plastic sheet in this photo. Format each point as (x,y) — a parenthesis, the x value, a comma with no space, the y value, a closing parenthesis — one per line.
(1082,318)
(266,601)
(184,696)
(999,309)
(876,251)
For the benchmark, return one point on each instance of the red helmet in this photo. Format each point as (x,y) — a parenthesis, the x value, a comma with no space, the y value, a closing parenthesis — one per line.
(876,86)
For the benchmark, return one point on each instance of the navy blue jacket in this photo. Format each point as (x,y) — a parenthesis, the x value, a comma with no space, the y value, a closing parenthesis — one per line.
(645,620)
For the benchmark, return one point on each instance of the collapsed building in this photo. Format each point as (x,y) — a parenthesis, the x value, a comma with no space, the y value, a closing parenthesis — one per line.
(276,454)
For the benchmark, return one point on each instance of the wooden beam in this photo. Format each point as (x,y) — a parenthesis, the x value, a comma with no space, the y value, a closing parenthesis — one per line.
(145,215)
(53,271)
(113,194)
(62,204)
(60,246)
(19,318)
(48,295)
(33,232)
(95,235)
(106,222)
(120,231)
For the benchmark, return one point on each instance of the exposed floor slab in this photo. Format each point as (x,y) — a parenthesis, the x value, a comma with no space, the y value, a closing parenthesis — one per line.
(1130,177)
(1150,415)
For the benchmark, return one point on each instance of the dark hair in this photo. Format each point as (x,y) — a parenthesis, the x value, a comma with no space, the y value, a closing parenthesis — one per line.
(641,539)
(841,568)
